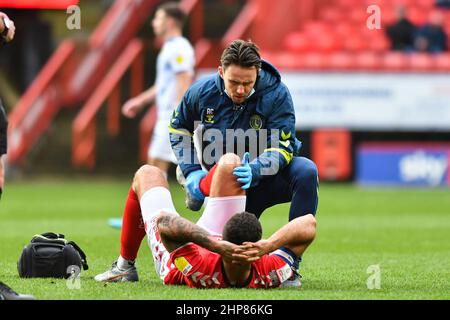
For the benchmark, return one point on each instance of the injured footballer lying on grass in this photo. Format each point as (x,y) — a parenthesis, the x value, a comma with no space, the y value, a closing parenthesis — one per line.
(223,250)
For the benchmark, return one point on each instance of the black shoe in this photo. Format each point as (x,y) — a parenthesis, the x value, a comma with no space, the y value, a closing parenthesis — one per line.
(191,203)
(6,293)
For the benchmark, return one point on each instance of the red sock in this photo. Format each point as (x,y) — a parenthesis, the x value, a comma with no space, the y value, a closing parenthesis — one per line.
(132,228)
(206,181)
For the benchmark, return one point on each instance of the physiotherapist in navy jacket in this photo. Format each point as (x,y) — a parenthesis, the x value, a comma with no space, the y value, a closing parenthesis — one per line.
(246,93)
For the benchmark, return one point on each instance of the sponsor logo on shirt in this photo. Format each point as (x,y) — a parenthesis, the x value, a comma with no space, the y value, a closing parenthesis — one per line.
(183,265)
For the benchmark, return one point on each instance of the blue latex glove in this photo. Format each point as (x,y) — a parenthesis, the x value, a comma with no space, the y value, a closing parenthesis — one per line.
(244,172)
(193,184)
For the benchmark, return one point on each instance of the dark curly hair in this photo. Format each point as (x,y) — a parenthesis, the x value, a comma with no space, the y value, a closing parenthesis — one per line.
(242,227)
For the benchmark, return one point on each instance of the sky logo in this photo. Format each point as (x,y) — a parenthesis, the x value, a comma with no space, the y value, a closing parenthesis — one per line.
(403,164)
(421,166)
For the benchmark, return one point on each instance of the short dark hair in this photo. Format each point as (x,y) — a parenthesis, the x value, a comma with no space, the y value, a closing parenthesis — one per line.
(173,10)
(242,53)
(242,227)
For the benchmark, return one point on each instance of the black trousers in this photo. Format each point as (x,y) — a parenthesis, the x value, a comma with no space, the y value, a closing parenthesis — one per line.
(3,129)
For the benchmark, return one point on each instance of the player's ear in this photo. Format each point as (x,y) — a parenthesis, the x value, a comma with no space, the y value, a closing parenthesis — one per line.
(220,70)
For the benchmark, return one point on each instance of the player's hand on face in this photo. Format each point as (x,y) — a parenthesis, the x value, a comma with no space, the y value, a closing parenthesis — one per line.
(131,108)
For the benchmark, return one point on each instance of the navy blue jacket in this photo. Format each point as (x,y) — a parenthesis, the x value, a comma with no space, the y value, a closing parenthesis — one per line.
(206,103)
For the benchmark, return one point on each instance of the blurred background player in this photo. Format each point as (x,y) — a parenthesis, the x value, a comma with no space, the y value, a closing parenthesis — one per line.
(174,74)
(194,254)
(245,94)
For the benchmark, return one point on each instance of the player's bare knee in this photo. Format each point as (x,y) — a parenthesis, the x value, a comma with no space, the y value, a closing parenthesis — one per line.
(227,163)
(224,183)
(229,159)
(148,177)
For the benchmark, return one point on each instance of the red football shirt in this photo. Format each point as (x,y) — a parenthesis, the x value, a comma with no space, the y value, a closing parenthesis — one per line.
(198,267)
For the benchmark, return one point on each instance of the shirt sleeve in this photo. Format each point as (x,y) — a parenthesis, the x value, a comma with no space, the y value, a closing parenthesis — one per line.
(182,59)
(187,259)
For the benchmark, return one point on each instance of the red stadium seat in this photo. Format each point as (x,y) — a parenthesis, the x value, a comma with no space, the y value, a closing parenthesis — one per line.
(358,15)
(421,62)
(332,15)
(367,60)
(426,4)
(355,43)
(346,4)
(394,61)
(290,60)
(316,61)
(381,3)
(442,61)
(417,16)
(379,43)
(316,28)
(341,61)
(344,29)
(388,17)
(328,43)
(297,42)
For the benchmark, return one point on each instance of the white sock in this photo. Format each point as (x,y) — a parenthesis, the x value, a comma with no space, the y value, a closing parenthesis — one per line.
(123,263)
(155,200)
(218,211)
(152,202)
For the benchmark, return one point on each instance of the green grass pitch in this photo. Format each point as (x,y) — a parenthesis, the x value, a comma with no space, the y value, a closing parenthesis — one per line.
(406,232)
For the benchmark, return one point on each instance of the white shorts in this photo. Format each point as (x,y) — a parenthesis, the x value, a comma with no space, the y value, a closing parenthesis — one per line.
(160,147)
(155,201)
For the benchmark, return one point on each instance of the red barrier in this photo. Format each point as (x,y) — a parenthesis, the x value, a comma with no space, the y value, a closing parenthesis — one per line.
(83,129)
(331,151)
(37,107)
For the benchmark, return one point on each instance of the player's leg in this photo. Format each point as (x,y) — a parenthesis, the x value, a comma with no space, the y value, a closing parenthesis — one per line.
(297,183)
(147,178)
(152,190)
(226,198)
(160,164)
(131,236)
(133,231)
(160,153)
